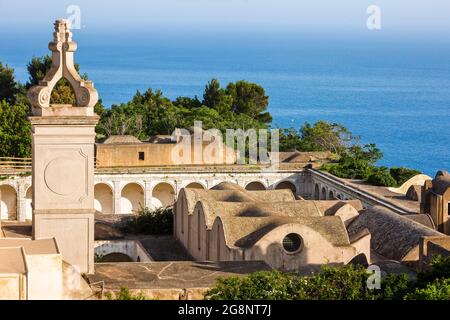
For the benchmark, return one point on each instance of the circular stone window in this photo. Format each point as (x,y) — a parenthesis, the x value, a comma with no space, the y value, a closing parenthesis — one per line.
(292,243)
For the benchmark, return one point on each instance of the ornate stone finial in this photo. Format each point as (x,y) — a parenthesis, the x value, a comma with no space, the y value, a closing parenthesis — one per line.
(62,48)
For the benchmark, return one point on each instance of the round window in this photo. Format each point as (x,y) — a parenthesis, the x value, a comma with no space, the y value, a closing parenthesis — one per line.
(292,243)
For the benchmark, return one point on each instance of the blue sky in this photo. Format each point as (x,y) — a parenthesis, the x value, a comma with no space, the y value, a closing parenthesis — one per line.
(347,16)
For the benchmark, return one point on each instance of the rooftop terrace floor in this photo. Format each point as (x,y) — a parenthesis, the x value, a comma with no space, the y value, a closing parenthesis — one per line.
(175,276)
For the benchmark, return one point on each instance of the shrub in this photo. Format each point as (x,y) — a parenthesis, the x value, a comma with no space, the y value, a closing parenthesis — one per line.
(395,287)
(335,283)
(402,174)
(355,163)
(262,285)
(329,167)
(439,268)
(125,294)
(437,290)
(332,283)
(347,282)
(381,177)
(157,222)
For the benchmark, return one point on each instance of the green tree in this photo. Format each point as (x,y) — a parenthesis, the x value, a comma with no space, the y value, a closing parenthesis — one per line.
(402,174)
(187,102)
(37,69)
(290,140)
(356,162)
(99,108)
(380,176)
(8,85)
(216,97)
(326,136)
(121,120)
(15,136)
(369,153)
(250,99)
(154,222)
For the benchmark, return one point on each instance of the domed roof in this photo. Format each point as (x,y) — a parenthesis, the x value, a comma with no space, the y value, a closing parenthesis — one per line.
(227,186)
(125,139)
(441,182)
(393,236)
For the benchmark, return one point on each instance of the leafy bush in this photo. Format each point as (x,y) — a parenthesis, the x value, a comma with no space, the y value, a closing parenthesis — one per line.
(439,268)
(15,130)
(351,168)
(332,283)
(329,167)
(355,163)
(262,285)
(157,222)
(125,294)
(437,290)
(395,287)
(358,163)
(336,283)
(402,174)
(381,177)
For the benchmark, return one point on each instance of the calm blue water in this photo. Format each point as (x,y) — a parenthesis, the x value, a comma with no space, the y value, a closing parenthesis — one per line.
(394,92)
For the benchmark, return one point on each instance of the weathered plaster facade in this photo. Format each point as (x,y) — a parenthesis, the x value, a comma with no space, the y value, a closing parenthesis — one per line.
(229,223)
(121,191)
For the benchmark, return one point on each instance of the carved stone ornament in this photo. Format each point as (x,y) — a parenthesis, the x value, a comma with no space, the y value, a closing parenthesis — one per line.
(62,48)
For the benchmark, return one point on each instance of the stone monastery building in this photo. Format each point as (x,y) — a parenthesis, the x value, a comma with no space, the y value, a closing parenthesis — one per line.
(229,218)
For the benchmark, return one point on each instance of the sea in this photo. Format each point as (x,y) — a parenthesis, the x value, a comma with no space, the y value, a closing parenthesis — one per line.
(392,90)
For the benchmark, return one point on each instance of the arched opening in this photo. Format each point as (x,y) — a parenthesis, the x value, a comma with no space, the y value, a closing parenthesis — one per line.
(255,186)
(324,194)
(163,195)
(103,198)
(8,204)
(132,198)
(63,93)
(331,195)
(287,185)
(28,204)
(316,192)
(194,185)
(113,257)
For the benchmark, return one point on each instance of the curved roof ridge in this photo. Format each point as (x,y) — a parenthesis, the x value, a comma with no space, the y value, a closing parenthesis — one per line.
(245,231)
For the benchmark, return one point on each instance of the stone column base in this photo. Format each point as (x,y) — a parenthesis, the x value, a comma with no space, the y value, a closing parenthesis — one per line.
(74,233)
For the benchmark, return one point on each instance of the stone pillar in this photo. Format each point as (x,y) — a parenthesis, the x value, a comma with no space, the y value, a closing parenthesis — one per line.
(117,195)
(21,201)
(148,194)
(63,138)
(177,187)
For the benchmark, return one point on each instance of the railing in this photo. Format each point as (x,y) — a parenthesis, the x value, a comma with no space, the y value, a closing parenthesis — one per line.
(363,195)
(17,166)
(14,166)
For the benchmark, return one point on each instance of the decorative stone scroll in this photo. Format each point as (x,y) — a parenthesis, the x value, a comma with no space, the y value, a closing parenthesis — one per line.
(62,48)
